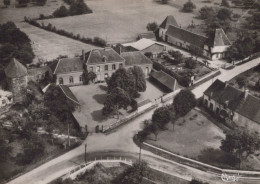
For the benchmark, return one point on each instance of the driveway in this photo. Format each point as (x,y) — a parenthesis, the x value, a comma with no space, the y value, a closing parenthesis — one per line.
(121,140)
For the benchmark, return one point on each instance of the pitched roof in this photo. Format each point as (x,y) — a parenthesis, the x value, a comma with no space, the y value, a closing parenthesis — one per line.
(135,58)
(169,20)
(96,56)
(186,36)
(15,69)
(39,70)
(68,93)
(149,35)
(68,65)
(155,48)
(141,44)
(236,100)
(219,39)
(165,79)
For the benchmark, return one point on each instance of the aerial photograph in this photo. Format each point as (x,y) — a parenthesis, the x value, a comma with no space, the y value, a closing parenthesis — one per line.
(129,91)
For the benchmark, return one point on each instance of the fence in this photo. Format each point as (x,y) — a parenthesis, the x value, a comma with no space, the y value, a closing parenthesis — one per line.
(130,117)
(201,166)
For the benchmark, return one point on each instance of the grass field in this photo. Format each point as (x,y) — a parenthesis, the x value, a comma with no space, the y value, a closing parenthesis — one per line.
(191,135)
(120,20)
(47,45)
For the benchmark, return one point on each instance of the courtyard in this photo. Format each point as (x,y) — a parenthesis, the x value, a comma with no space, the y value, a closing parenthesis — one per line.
(92,98)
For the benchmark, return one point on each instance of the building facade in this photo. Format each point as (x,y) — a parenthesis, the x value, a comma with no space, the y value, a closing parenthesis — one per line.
(233,105)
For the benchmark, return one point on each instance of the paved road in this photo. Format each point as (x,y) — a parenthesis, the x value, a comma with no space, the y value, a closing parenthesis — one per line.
(122,141)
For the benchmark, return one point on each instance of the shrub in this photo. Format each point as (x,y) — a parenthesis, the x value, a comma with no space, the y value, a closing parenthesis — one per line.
(189,6)
(79,7)
(61,12)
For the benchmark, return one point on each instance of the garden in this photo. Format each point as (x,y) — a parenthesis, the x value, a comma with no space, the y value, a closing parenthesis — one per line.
(248,80)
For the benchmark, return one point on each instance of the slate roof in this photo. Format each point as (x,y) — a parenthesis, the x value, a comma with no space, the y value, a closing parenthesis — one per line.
(218,39)
(15,69)
(135,58)
(68,93)
(169,20)
(155,48)
(235,99)
(186,36)
(96,56)
(68,65)
(165,79)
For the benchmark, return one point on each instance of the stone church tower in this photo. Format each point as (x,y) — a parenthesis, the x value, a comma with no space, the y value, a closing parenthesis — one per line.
(17,79)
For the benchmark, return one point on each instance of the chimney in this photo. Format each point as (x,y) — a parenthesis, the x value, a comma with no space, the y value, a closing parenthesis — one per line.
(226,84)
(83,55)
(246,92)
(104,59)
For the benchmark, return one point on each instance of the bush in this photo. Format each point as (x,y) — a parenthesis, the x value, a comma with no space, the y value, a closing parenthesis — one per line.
(189,7)
(190,63)
(99,42)
(79,7)
(61,12)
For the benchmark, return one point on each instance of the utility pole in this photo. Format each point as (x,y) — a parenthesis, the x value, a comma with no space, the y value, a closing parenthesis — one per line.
(85,153)
(68,129)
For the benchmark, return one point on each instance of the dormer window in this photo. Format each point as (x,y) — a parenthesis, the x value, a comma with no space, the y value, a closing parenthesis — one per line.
(104,59)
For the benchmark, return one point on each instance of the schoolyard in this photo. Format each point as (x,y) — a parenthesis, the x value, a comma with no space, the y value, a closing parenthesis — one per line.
(92,98)
(120,21)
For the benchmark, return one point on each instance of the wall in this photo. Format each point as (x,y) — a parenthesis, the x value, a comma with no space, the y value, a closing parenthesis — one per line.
(103,72)
(162,33)
(65,77)
(245,122)
(178,42)
(16,85)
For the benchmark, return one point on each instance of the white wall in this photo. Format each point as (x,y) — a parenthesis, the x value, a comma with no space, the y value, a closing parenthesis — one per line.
(75,75)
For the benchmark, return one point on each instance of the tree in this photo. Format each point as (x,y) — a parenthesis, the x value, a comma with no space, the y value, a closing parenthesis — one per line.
(155,129)
(225,3)
(79,7)
(153,26)
(7,3)
(117,99)
(207,12)
(241,142)
(197,51)
(62,11)
(139,77)
(183,102)
(241,81)
(164,1)
(190,63)
(5,149)
(224,14)
(133,175)
(189,6)
(23,2)
(124,80)
(57,102)
(161,116)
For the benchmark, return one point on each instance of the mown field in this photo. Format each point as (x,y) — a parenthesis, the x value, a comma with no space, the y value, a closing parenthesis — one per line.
(120,20)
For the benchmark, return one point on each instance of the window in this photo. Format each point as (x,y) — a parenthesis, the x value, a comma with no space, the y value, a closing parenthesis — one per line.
(113,67)
(120,65)
(80,78)
(60,80)
(71,79)
(106,67)
(98,69)
(91,69)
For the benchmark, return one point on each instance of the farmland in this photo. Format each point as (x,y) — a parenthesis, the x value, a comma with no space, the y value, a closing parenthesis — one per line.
(120,21)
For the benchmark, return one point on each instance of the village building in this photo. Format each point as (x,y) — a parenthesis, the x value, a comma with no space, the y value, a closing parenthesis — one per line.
(146,46)
(37,74)
(68,71)
(17,79)
(233,104)
(214,47)
(138,59)
(69,95)
(149,35)
(103,62)
(167,82)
